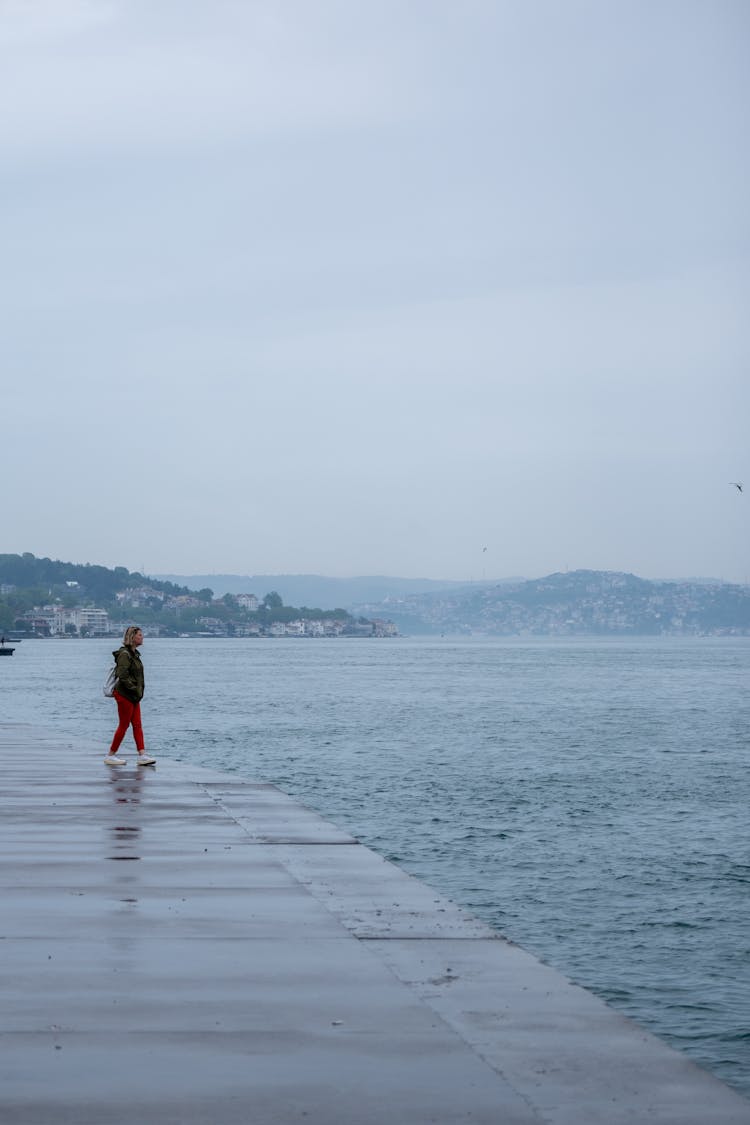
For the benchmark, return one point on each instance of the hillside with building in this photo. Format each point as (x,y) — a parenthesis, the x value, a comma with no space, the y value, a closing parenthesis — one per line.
(579,603)
(45,598)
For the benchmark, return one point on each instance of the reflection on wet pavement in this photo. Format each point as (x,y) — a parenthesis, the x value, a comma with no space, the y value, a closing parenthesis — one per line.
(125,833)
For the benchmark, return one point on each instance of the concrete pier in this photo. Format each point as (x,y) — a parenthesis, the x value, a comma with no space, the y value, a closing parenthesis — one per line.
(179,946)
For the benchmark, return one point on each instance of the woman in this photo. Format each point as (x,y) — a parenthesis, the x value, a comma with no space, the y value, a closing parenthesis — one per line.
(128,696)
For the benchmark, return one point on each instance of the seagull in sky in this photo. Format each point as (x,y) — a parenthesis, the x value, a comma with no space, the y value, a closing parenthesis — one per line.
(737,484)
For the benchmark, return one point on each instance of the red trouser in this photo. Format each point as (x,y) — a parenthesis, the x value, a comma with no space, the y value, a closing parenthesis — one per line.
(128,713)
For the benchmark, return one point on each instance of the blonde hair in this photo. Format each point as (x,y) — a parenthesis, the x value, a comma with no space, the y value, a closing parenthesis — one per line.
(130,633)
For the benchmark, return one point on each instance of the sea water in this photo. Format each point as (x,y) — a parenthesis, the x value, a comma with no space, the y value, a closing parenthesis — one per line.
(588,798)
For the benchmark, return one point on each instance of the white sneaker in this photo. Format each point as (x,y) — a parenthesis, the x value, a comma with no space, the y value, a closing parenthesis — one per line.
(113,760)
(144,760)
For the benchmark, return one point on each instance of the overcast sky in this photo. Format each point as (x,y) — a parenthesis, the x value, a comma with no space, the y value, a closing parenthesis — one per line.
(369,286)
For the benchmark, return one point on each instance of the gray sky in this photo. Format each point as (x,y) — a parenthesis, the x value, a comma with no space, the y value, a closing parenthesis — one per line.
(364,287)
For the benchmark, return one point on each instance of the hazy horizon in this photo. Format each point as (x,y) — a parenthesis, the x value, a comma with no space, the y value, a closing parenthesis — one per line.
(179,576)
(173,575)
(410,289)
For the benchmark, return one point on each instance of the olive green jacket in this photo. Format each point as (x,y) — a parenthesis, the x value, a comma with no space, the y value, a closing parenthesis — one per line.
(130,679)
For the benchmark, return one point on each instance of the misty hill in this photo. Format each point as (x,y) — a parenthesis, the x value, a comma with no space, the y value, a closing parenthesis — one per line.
(315,589)
(55,578)
(583,602)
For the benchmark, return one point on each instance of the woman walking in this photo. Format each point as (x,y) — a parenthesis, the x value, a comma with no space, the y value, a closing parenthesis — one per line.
(128,696)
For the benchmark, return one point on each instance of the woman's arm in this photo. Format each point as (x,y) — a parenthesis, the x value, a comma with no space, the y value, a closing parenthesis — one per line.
(125,678)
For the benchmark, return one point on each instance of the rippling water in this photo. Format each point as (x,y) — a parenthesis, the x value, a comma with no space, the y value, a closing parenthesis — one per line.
(588,798)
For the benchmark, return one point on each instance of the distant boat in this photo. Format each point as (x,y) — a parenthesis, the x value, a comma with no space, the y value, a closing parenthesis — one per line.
(4,650)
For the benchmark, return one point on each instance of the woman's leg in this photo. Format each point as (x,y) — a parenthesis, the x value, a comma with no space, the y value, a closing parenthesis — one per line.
(137,728)
(125,713)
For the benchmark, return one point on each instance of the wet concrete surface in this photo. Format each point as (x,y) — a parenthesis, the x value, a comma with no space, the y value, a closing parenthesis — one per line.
(181,946)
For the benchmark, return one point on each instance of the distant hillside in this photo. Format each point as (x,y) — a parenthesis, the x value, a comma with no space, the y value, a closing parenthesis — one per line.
(48,597)
(53,577)
(315,589)
(583,602)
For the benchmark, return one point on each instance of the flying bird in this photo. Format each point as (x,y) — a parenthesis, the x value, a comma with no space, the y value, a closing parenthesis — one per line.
(737,484)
